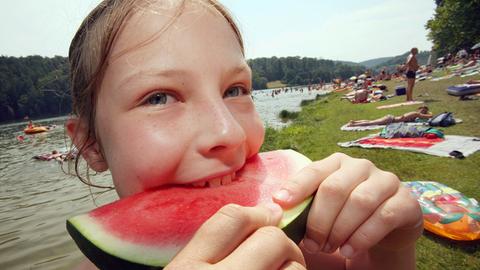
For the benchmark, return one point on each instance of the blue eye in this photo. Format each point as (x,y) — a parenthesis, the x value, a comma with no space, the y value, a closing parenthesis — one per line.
(235,91)
(160,99)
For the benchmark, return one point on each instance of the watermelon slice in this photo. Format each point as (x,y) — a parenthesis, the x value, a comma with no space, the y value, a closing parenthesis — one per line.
(146,230)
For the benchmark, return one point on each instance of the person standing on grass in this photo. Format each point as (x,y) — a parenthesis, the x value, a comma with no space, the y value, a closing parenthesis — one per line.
(412,67)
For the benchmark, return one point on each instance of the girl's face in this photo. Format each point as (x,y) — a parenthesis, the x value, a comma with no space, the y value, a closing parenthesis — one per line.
(174,106)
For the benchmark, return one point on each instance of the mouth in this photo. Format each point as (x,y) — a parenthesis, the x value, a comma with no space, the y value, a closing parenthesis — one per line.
(216,181)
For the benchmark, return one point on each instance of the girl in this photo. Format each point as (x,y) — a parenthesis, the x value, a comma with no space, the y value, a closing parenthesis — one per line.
(162,96)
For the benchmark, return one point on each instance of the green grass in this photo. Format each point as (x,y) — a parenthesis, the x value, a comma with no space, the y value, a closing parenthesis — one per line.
(316,131)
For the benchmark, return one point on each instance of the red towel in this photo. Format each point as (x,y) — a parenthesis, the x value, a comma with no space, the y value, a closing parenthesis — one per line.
(420,142)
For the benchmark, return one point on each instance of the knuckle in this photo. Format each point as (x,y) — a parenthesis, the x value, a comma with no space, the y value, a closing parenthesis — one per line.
(332,189)
(364,200)
(410,203)
(388,217)
(364,239)
(236,213)
(317,232)
(391,178)
(362,162)
(338,155)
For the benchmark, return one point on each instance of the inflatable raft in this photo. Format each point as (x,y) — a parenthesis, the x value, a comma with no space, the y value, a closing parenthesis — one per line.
(447,212)
(34,130)
(463,89)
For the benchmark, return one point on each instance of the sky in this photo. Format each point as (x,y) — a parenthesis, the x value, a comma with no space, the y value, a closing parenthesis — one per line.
(349,30)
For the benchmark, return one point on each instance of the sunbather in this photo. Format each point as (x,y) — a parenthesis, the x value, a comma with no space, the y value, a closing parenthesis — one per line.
(421,113)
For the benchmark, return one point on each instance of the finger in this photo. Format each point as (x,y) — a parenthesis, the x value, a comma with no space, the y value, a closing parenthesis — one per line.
(306,182)
(400,211)
(361,204)
(267,248)
(330,199)
(225,230)
(291,265)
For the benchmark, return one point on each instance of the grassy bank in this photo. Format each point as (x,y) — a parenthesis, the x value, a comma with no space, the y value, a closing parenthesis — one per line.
(316,131)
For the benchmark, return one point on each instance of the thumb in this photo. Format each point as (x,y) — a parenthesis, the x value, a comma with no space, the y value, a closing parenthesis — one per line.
(306,181)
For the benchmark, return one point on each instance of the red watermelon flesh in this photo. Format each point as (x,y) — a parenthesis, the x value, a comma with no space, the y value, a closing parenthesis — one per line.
(147,229)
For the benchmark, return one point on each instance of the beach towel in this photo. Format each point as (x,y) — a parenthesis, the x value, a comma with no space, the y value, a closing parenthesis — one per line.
(408,103)
(450,146)
(443,78)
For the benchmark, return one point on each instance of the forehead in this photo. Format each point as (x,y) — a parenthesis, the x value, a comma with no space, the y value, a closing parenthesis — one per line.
(174,29)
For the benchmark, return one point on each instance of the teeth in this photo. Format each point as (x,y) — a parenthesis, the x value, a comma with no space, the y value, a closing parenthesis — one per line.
(215,182)
(220,181)
(199,184)
(227,179)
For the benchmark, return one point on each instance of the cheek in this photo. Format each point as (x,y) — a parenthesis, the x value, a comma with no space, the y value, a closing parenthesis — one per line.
(254,130)
(256,137)
(142,155)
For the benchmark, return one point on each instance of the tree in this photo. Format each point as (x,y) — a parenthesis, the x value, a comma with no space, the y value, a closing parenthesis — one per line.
(455,25)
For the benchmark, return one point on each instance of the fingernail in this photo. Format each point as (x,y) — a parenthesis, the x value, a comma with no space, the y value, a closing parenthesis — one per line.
(310,246)
(347,251)
(282,195)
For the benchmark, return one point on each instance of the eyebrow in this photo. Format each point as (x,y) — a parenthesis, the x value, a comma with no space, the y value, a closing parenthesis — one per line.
(179,73)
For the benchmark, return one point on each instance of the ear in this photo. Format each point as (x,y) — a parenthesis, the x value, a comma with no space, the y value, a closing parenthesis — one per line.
(77,130)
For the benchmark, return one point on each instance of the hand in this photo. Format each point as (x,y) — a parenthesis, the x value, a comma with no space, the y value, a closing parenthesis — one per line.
(356,207)
(240,238)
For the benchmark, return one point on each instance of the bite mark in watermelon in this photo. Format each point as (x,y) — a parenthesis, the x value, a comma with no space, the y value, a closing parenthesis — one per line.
(146,230)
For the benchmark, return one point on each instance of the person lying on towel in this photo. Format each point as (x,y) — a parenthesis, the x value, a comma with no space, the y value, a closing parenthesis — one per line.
(421,113)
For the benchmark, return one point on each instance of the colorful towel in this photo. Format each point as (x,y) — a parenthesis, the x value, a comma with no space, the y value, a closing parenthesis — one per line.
(408,103)
(450,146)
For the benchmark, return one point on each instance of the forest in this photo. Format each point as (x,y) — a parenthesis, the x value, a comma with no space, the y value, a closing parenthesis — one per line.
(300,70)
(33,86)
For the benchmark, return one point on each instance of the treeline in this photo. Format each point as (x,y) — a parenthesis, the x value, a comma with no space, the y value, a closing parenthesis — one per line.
(33,86)
(299,70)
(455,25)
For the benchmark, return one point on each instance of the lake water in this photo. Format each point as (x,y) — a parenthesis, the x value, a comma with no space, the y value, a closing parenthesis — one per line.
(36,197)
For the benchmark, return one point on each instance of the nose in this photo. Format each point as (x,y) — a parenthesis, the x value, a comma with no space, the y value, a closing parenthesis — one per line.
(219,132)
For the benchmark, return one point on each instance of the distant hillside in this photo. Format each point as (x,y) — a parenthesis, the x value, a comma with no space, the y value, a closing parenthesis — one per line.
(350,63)
(391,62)
(375,62)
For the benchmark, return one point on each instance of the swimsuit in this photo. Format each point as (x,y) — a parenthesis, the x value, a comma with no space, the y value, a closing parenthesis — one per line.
(411,74)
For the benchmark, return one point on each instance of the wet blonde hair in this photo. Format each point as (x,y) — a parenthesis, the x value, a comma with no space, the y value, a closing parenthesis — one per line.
(91,48)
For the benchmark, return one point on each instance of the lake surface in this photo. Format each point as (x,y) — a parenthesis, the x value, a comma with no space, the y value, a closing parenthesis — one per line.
(36,197)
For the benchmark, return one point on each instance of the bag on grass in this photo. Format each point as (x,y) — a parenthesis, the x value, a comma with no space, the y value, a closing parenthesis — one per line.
(444,119)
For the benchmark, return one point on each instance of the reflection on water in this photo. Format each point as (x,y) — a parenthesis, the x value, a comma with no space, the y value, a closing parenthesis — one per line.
(36,197)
